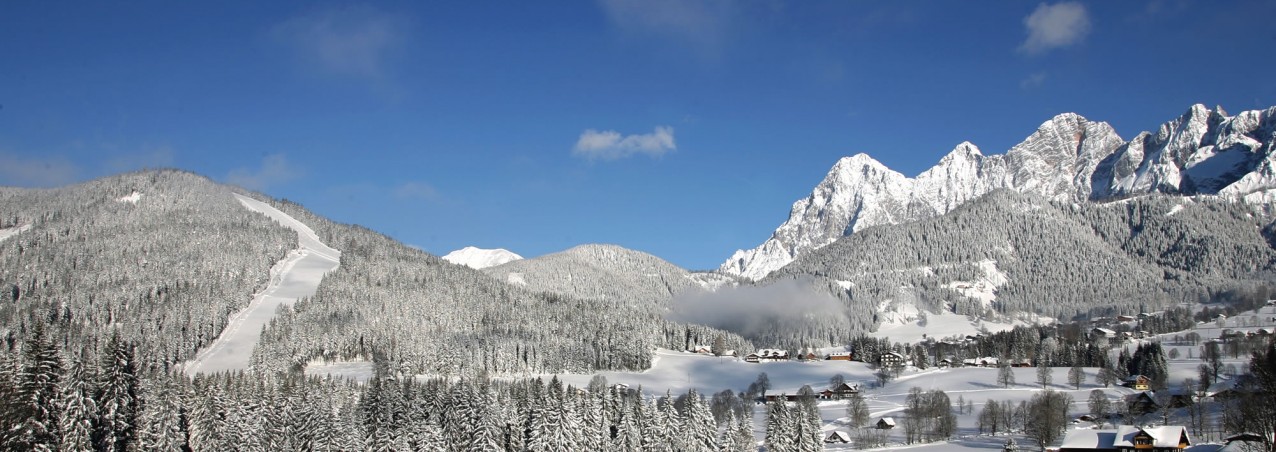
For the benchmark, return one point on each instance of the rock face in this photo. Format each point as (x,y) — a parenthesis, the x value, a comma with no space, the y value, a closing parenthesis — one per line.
(1068,159)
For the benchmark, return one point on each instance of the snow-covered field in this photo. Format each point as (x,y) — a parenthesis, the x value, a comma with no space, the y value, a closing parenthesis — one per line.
(297,275)
(10,232)
(677,372)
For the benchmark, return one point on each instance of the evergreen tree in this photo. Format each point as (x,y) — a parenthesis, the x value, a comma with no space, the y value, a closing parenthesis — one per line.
(78,409)
(117,397)
(701,430)
(38,410)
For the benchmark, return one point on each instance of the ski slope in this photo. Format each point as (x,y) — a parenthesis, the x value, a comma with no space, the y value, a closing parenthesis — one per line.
(297,275)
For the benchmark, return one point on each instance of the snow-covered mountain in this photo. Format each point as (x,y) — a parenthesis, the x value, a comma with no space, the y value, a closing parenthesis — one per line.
(1068,158)
(479,258)
(600,272)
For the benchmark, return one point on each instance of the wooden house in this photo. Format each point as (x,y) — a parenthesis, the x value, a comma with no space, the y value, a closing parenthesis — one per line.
(1127,438)
(1138,382)
(837,437)
(839,356)
(885,423)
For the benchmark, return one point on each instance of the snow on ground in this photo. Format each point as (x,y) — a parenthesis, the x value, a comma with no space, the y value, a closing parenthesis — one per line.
(132,198)
(985,289)
(360,370)
(478,258)
(516,278)
(676,372)
(10,232)
(297,275)
(931,325)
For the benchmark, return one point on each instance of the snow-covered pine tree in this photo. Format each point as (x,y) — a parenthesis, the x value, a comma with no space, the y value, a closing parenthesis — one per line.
(117,396)
(699,429)
(37,408)
(78,409)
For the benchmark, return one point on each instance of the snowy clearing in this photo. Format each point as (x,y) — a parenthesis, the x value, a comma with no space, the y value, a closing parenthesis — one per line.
(10,232)
(297,275)
(360,371)
(132,198)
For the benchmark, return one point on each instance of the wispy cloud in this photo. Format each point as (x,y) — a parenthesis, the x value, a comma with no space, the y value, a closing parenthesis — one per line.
(414,190)
(353,41)
(274,170)
(1033,80)
(611,145)
(1055,26)
(160,157)
(23,171)
(701,24)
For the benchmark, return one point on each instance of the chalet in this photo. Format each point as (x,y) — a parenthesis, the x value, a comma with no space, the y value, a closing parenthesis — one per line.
(1141,403)
(1127,438)
(767,354)
(842,391)
(839,356)
(702,349)
(808,356)
(1021,363)
(836,437)
(885,423)
(1137,382)
(948,362)
(1103,333)
(890,359)
(1125,318)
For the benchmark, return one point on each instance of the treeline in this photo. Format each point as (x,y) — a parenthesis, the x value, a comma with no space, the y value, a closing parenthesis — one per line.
(59,399)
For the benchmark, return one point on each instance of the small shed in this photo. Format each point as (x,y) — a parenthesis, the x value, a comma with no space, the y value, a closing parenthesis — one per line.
(836,436)
(886,423)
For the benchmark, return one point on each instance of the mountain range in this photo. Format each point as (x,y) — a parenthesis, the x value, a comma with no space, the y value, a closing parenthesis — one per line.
(1067,159)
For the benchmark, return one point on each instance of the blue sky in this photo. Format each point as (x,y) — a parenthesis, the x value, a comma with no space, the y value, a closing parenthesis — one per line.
(681,128)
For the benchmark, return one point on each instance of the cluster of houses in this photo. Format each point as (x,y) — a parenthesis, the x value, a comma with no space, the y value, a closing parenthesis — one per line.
(841,437)
(838,392)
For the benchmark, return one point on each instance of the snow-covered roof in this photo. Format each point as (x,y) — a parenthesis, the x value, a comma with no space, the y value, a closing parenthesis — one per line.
(840,354)
(771,352)
(888,420)
(1123,436)
(839,436)
(1164,436)
(1089,439)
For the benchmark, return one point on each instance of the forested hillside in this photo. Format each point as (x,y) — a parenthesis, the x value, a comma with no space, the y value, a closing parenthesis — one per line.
(160,258)
(420,314)
(599,272)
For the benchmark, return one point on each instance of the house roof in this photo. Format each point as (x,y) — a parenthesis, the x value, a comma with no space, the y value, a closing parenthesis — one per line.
(1123,436)
(838,436)
(1089,439)
(887,420)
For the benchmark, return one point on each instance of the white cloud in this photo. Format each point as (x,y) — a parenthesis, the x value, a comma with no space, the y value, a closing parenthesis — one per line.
(610,145)
(160,157)
(1033,80)
(700,23)
(23,171)
(352,41)
(274,170)
(1055,26)
(416,190)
